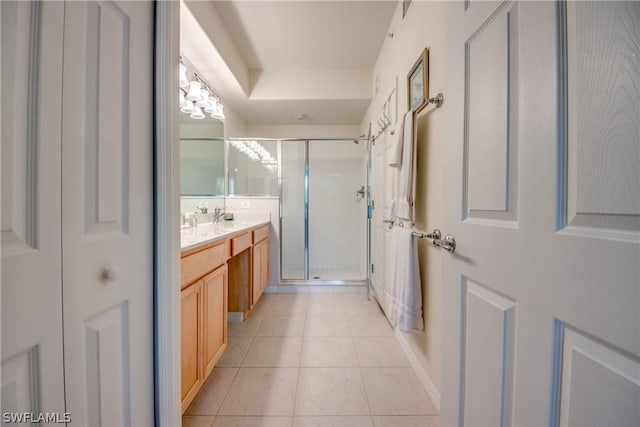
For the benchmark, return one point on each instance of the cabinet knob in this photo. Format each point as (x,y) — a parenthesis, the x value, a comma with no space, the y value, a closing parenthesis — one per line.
(110,273)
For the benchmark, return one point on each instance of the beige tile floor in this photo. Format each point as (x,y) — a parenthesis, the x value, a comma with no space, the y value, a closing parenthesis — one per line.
(312,360)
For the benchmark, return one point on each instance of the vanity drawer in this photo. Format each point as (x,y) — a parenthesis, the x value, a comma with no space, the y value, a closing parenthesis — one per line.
(200,263)
(240,243)
(260,234)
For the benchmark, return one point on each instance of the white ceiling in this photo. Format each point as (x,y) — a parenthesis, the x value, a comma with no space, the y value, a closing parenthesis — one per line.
(272,59)
(307,34)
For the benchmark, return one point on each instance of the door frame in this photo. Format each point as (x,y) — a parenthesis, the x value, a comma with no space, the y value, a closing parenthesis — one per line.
(166,202)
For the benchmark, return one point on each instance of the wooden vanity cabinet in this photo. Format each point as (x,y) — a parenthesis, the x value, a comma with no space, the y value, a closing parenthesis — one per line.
(227,275)
(203,318)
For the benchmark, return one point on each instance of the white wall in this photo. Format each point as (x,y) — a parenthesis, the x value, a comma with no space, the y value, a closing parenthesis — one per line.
(234,126)
(424,26)
(303,131)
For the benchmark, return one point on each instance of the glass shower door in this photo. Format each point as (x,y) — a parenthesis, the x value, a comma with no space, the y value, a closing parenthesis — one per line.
(337,207)
(293,210)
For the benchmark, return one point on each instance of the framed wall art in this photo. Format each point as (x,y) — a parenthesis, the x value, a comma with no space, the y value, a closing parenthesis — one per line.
(418,81)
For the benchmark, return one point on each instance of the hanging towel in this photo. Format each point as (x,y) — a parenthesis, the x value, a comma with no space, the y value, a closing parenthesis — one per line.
(396,151)
(404,295)
(404,190)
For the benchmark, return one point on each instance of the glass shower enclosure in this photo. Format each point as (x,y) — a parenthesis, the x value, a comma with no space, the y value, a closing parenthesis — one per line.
(323,211)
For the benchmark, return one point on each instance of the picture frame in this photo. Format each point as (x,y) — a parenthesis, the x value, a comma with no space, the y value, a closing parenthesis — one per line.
(405,7)
(418,81)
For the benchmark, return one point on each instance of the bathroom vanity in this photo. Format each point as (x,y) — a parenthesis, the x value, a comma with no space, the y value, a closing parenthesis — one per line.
(224,269)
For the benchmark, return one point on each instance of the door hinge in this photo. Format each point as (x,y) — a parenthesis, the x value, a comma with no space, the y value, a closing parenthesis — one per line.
(373,268)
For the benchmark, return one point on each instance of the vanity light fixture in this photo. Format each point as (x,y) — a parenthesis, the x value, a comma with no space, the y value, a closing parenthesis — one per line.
(184,81)
(196,95)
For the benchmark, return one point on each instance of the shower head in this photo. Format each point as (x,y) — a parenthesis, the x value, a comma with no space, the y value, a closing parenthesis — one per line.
(356,141)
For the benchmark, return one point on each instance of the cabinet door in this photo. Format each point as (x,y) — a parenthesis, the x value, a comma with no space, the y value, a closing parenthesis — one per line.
(264,264)
(215,317)
(191,337)
(256,281)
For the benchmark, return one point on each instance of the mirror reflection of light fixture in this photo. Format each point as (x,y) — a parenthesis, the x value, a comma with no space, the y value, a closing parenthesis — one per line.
(256,152)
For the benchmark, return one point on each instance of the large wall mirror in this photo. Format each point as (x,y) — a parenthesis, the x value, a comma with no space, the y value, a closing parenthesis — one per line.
(253,167)
(202,167)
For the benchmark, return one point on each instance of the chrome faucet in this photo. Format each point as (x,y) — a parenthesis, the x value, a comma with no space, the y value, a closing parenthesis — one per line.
(217,214)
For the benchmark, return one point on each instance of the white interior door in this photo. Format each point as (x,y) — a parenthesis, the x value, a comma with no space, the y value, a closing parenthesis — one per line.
(541,298)
(32,374)
(380,231)
(107,212)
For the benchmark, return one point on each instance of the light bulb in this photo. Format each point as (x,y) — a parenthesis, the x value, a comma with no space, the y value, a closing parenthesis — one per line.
(220,110)
(197,113)
(211,105)
(218,114)
(204,99)
(188,107)
(194,91)
(184,82)
(183,100)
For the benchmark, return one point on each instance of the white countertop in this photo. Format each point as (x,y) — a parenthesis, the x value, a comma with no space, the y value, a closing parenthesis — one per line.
(209,232)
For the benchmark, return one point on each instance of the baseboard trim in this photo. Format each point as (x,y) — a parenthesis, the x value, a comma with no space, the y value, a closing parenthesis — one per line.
(235,317)
(315,289)
(423,376)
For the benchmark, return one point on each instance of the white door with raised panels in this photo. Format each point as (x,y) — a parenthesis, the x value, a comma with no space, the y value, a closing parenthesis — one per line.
(77,219)
(32,359)
(107,229)
(542,177)
(380,231)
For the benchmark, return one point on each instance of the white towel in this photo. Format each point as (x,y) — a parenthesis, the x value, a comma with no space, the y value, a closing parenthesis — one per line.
(404,190)
(396,151)
(404,295)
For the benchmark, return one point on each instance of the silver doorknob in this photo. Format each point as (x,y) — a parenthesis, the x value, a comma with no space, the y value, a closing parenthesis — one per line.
(110,273)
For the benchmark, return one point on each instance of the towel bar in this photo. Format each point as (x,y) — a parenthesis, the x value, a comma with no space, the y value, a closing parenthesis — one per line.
(448,243)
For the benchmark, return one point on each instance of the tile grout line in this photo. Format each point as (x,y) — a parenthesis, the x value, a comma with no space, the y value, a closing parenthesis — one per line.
(224,398)
(295,396)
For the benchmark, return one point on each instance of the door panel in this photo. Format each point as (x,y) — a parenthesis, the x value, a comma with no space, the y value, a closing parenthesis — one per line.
(541,306)
(264,265)
(603,166)
(214,317)
(32,355)
(292,211)
(488,355)
(107,212)
(490,191)
(337,237)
